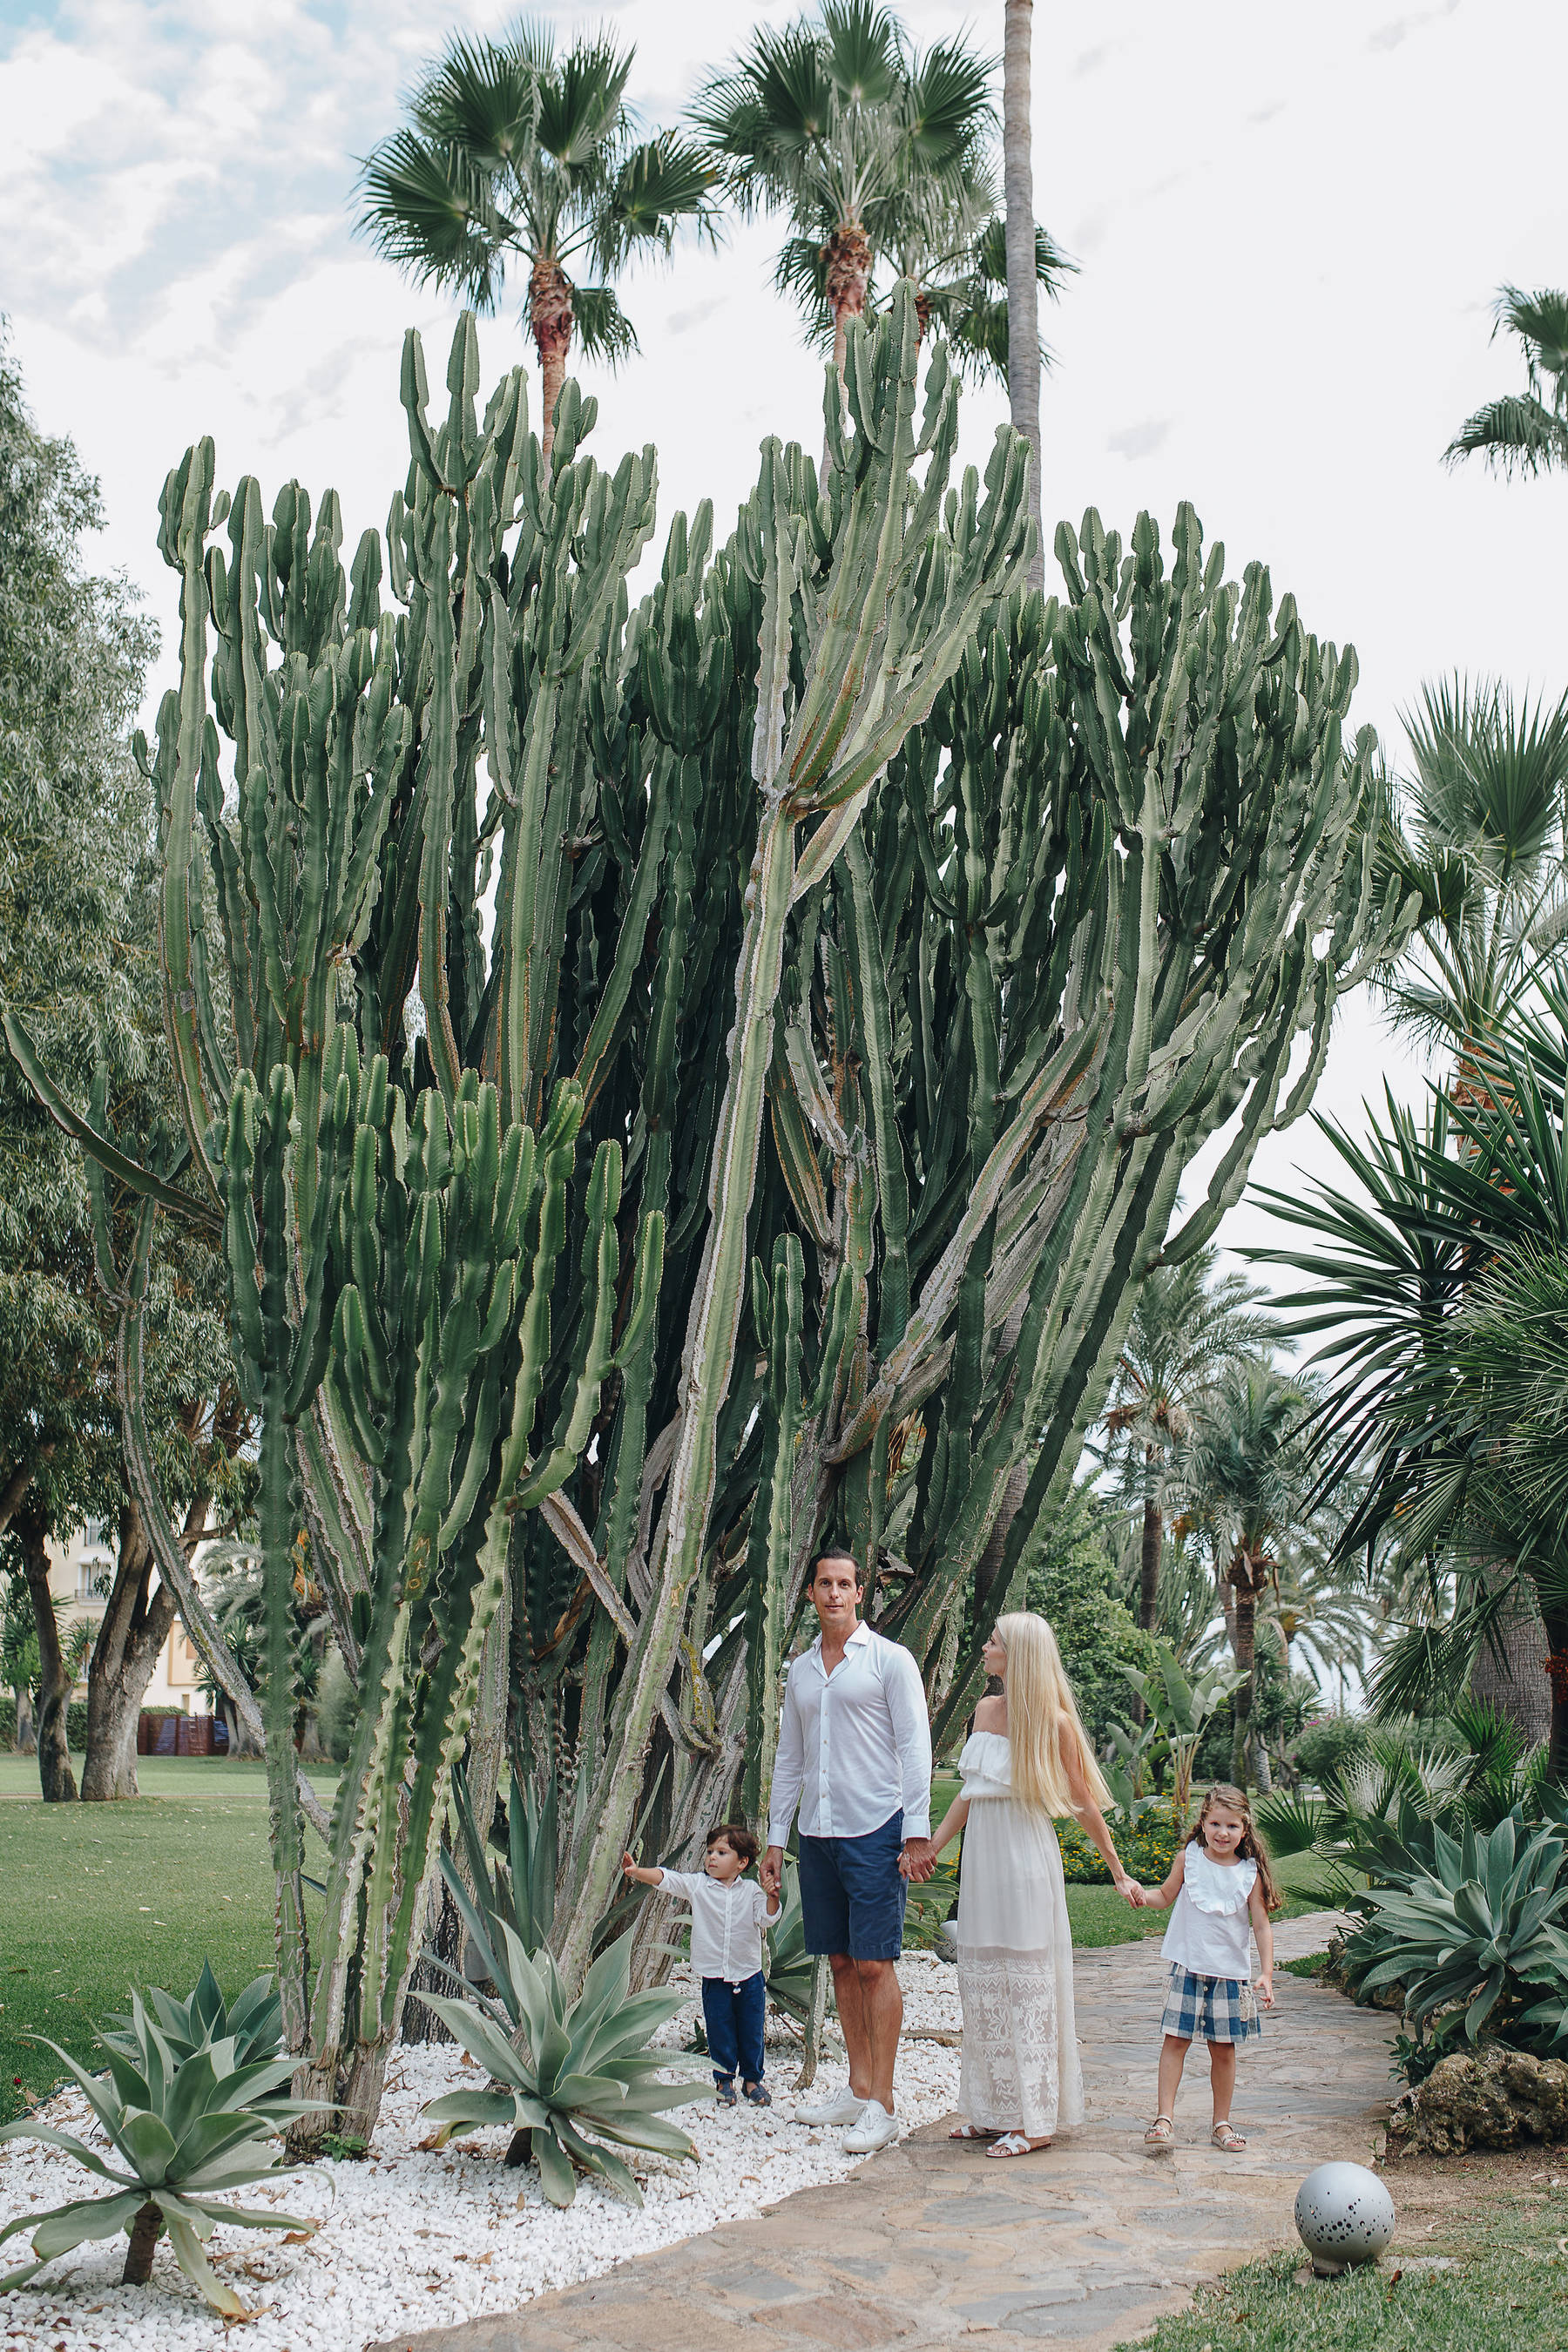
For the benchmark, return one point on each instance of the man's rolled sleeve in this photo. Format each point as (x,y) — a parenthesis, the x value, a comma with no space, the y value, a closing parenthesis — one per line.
(906,1699)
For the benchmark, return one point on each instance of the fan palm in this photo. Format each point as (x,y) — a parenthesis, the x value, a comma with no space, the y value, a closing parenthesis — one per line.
(514,157)
(1481,846)
(1187,1328)
(1525,432)
(1444,1290)
(1245,1465)
(873,154)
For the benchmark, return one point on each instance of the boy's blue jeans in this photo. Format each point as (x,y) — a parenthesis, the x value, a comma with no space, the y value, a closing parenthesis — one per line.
(733,2016)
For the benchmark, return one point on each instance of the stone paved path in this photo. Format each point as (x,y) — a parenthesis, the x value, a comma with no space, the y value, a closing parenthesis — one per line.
(1084,2243)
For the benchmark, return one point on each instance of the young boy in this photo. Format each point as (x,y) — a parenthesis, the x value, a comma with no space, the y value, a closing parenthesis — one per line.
(727,1915)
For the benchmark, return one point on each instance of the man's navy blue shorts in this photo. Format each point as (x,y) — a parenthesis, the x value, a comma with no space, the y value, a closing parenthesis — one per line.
(851,1896)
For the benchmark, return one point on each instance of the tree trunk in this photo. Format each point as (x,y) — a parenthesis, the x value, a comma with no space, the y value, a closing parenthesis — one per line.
(1023,287)
(146,2229)
(1557,1673)
(551,320)
(25,1742)
(56,1779)
(1149,1566)
(1246,1579)
(848,257)
(136,1624)
(1514,1676)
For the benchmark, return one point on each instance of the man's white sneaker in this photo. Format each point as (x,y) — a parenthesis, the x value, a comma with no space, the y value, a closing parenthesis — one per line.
(845,2107)
(877,2129)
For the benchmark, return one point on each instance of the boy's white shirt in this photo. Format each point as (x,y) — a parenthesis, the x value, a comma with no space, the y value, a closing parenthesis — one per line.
(727,1923)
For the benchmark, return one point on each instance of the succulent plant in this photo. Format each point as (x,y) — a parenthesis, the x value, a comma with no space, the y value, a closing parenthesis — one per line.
(253,2022)
(577,2071)
(186,2118)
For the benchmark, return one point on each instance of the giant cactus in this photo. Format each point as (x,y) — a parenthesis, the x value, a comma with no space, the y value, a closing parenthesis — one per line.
(894,938)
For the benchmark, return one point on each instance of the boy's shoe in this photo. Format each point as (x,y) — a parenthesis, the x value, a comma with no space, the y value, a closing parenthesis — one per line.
(844,2107)
(877,2129)
(757,2094)
(724,2093)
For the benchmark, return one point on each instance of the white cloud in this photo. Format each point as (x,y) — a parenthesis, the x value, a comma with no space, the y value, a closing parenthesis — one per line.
(1288,250)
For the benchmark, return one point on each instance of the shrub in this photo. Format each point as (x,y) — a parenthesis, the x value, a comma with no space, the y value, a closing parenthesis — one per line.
(76,1726)
(8,1722)
(1325,1748)
(1147,1847)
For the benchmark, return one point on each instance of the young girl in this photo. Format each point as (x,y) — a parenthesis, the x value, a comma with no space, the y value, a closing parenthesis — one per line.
(1223,1890)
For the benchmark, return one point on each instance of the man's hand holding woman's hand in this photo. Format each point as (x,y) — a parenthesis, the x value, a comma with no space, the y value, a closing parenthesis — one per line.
(917,1860)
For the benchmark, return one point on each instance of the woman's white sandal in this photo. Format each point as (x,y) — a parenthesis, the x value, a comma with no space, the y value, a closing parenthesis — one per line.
(970,2131)
(1017,2143)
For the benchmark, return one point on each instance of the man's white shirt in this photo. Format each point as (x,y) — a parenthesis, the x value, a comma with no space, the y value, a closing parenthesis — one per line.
(727,1923)
(854,1745)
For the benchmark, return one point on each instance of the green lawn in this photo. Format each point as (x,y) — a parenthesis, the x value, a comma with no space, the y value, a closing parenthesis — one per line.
(1509,2290)
(100,1897)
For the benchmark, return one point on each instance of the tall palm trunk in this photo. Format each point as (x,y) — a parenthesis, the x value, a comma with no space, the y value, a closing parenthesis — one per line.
(849,258)
(1514,1676)
(55,1779)
(1153,1546)
(1247,1577)
(551,320)
(1023,288)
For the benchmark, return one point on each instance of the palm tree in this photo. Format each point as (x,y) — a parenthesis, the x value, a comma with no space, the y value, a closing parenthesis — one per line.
(872,153)
(1443,1290)
(1187,1328)
(1524,432)
(1480,843)
(1023,304)
(509,156)
(1245,1466)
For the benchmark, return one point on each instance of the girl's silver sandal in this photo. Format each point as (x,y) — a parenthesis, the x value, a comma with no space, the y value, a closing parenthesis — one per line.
(1161,2133)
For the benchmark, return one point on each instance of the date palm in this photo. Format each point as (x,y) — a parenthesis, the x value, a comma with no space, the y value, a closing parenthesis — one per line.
(1187,1328)
(1525,432)
(514,159)
(837,123)
(1246,1468)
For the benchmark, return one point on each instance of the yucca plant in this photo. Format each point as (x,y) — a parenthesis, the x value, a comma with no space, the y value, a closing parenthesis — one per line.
(254,2025)
(184,2127)
(574,2067)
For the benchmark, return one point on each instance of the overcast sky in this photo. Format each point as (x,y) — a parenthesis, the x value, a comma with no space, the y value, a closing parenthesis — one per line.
(1290,224)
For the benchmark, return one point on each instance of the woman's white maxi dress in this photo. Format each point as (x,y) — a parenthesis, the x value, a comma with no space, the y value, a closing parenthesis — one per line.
(1020,2068)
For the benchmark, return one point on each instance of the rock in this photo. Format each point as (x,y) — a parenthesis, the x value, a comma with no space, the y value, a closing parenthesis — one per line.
(1491,2097)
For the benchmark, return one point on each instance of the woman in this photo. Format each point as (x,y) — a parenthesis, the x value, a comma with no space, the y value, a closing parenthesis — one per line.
(1026,1762)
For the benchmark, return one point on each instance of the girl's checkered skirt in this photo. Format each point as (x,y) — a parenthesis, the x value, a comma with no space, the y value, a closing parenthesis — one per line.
(1209,2008)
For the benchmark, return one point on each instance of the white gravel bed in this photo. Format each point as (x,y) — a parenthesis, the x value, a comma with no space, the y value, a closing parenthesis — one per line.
(411,2239)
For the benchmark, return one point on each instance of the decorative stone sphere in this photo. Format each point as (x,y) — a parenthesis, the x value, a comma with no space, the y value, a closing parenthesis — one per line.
(1344,2214)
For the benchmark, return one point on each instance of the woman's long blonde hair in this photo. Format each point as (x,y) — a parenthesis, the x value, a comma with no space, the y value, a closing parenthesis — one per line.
(1043,1718)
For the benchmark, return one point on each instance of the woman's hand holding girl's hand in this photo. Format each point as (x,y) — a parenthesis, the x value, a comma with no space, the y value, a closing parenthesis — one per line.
(1264,1989)
(1130,1891)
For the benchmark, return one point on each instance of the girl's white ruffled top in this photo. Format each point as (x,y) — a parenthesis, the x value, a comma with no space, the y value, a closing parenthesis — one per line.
(1210,1932)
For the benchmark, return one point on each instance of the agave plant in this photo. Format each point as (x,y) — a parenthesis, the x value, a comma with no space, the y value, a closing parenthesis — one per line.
(573,2068)
(789,1965)
(1484,1922)
(184,2127)
(254,2025)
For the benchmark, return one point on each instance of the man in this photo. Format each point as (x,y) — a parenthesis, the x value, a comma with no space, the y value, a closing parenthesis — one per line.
(855,1754)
